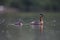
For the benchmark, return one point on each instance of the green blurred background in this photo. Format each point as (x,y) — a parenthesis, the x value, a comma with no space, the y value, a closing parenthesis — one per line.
(33,5)
(29,10)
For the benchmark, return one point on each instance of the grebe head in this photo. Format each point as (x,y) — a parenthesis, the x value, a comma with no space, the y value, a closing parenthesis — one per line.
(41,15)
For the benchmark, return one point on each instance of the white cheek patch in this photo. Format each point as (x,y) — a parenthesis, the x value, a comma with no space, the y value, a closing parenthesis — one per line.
(33,22)
(21,24)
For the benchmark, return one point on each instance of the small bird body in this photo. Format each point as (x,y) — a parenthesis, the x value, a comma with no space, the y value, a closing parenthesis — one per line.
(17,24)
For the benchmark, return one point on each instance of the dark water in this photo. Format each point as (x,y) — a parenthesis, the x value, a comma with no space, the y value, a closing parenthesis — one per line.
(29,33)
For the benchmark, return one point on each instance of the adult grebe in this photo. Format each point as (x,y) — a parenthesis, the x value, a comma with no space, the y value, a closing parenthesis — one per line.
(38,27)
(41,22)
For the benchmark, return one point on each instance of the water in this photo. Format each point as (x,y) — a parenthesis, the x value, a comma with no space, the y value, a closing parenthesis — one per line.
(27,33)
(30,32)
